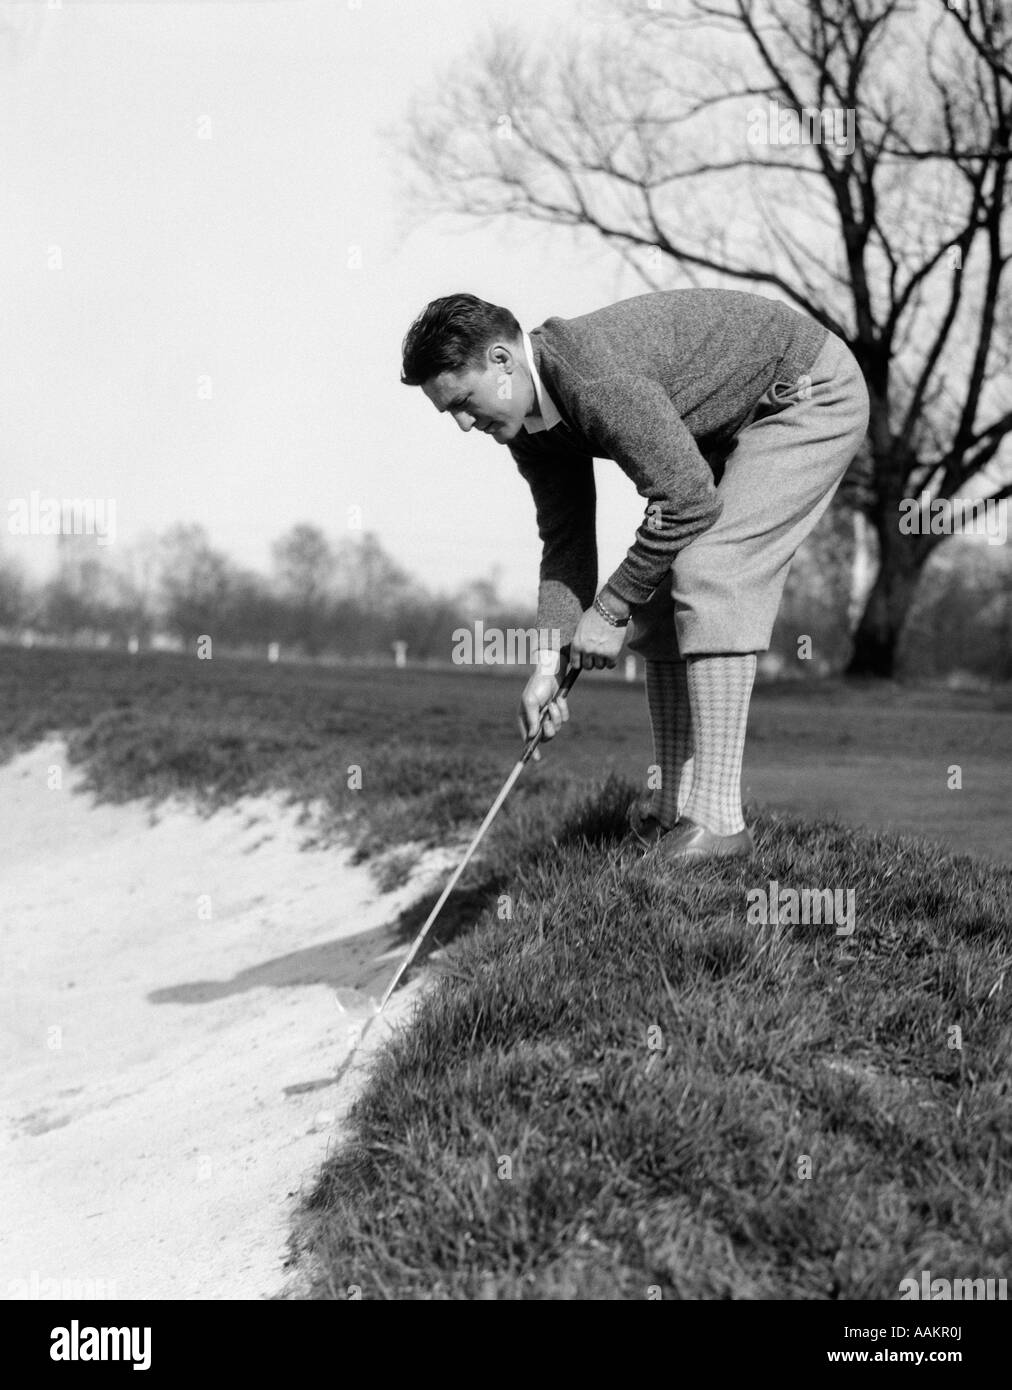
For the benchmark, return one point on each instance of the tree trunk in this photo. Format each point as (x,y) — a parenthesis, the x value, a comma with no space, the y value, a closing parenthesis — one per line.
(878,633)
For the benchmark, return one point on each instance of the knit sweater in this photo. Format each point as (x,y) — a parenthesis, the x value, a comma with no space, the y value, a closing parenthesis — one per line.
(661,384)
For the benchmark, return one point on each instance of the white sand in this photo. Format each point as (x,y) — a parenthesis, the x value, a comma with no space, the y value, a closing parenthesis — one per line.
(150,1148)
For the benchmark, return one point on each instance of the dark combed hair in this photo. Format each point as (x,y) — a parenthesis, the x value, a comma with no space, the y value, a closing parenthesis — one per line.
(451,334)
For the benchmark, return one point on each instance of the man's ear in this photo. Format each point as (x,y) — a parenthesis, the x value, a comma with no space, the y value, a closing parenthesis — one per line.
(502,357)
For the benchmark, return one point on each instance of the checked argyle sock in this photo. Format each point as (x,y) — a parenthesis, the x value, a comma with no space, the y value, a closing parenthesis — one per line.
(720,688)
(671,722)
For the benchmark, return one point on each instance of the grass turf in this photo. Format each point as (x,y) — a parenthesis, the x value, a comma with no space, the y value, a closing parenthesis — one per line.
(619,1087)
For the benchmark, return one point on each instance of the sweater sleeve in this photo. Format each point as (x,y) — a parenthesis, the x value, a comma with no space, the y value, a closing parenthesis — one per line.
(561,480)
(636,423)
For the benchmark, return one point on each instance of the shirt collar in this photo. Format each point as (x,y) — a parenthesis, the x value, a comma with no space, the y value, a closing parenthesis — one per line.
(547,416)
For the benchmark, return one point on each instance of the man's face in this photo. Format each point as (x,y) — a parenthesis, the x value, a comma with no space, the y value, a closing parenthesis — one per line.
(493,397)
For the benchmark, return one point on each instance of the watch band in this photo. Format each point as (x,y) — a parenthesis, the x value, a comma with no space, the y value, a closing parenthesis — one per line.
(609,617)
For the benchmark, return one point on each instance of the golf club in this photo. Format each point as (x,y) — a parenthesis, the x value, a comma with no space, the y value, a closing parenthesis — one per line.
(568,682)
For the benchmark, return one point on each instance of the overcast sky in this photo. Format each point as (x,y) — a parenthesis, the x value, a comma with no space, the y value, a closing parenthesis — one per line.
(203,170)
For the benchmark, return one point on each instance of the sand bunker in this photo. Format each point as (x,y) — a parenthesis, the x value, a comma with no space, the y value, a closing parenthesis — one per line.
(176,995)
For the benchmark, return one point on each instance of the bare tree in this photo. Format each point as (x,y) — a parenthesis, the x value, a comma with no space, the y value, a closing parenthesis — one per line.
(368,576)
(194,582)
(680,141)
(15,600)
(305,562)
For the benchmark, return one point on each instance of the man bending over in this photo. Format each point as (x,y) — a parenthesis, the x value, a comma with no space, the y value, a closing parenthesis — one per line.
(736,418)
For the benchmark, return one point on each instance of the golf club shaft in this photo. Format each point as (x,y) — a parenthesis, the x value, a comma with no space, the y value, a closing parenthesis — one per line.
(452,883)
(433,914)
(529,747)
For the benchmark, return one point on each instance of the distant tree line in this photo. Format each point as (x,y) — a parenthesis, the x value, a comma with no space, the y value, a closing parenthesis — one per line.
(351,600)
(348,599)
